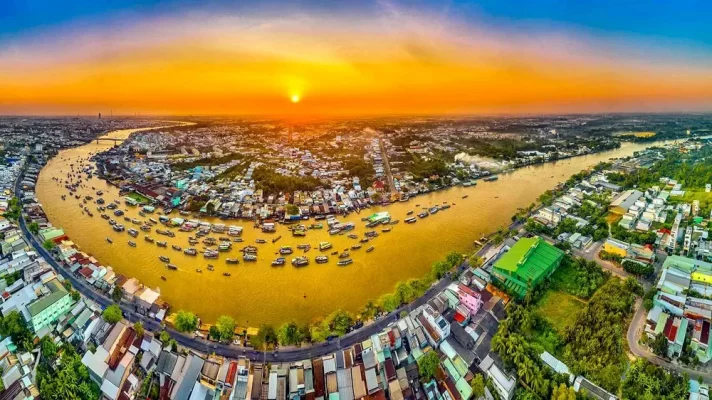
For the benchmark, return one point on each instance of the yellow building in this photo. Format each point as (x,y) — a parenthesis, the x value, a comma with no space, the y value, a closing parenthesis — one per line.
(616,247)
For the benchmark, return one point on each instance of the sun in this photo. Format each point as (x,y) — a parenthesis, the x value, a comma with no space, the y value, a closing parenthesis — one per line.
(295,98)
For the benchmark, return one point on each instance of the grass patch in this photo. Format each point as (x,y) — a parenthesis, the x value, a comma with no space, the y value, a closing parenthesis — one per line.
(559,309)
(703,197)
(139,198)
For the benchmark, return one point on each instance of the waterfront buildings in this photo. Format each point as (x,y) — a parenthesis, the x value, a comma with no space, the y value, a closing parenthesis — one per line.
(526,264)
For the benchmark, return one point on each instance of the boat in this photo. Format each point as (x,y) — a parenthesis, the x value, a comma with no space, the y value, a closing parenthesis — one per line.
(364,240)
(434,210)
(136,221)
(162,244)
(324,246)
(153,220)
(342,263)
(334,231)
(190,251)
(356,247)
(260,241)
(146,228)
(212,254)
(445,206)
(278,262)
(249,257)
(198,270)
(395,221)
(491,178)
(410,220)
(108,239)
(132,244)
(352,236)
(211,268)
(132,232)
(225,246)
(300,261)
(250,249)
(316,226)
(344,254)
(276,239)
(163,278)
(176,247)
(148,239)
(321,259)
(285,250)
(465,196)
(334,253)
(423,214)
(232,261)
(164,259)
(370,249)
(226,274)
(371,234)
(304,246)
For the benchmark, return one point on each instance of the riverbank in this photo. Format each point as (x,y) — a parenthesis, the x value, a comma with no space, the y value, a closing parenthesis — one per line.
(257,293)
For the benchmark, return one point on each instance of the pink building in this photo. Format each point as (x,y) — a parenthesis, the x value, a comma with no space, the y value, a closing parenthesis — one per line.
(469,298)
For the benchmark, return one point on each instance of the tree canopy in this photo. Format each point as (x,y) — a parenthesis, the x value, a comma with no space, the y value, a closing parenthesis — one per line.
(428,365)
(186,321)
(226,327)
(112,314)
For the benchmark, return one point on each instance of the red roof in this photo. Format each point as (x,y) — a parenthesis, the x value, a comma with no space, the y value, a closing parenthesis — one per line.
(231,372)
(459,317)
(705,338)
(86,271)
(670,329)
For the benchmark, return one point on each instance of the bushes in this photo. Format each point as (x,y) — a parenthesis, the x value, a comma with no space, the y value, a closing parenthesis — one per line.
(647,381)
(638,268)
(594,344)
(579,277)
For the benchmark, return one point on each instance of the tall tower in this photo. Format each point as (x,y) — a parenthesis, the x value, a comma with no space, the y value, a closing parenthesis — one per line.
(99,115)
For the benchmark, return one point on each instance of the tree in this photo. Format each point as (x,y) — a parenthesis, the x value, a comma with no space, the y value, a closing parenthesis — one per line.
(186,321)
(33,227)
(563,392)
(138,328)
(15,326)
(226,326)
(214,333)
(291,209)
(49,351)
(428,364)
(340,322)
(289,334)
(48,245)
(75,295)
(478,386)
(117,294)
(389,302)
(112,314)
(165,337)
(69,380)
(265,338)
(660,345)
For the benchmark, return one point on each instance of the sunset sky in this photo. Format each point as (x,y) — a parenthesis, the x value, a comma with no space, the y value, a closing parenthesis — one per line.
(354,57)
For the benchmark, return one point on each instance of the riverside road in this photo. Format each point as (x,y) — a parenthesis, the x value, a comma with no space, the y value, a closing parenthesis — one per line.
(205,346)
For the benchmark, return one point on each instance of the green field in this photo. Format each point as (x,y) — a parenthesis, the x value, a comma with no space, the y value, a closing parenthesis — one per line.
(559,309)
(139,198)
(704,198)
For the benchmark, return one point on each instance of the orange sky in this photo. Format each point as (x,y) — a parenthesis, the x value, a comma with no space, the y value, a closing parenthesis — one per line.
(338,66)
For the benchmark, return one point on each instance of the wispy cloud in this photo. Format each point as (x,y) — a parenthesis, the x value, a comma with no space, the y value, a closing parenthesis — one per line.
(391,60)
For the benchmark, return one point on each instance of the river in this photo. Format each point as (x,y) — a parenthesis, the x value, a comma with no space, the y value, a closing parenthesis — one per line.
(257,293)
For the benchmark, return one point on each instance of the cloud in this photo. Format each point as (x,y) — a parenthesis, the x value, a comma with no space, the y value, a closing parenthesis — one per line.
(393,60)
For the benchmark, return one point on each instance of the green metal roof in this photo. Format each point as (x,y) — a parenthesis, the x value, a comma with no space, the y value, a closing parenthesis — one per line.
(57,292)
(530,259)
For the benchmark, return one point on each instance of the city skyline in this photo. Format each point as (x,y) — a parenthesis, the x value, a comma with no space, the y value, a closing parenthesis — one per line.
(376,58)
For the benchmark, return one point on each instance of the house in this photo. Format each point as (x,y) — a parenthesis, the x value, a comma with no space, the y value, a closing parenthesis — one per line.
(592,390)
(614,246)
(624,201)
(48,308)
(503,383)
(528,262)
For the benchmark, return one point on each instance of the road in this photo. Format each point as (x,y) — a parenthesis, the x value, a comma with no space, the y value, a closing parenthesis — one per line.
(634,331)
(204,346)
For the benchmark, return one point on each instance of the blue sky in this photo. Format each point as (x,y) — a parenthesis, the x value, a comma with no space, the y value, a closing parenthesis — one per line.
(683,21)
